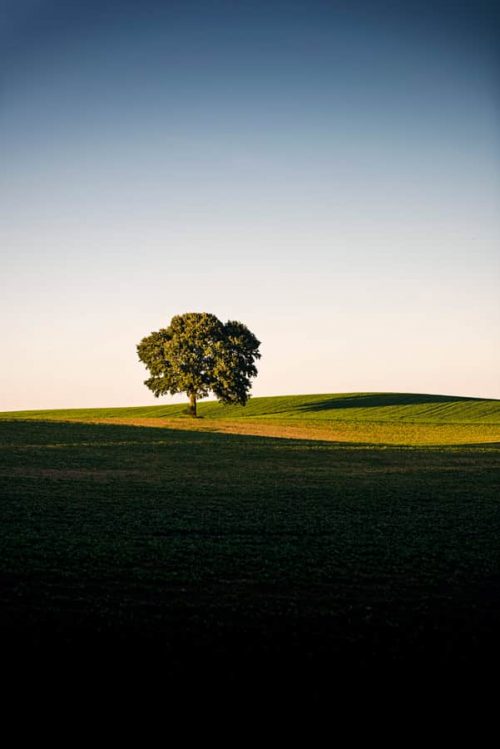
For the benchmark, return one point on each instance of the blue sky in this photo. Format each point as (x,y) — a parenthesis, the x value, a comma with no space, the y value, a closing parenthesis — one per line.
(326,172)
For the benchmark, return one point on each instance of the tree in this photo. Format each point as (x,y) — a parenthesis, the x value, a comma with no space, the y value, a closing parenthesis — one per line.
(198,354)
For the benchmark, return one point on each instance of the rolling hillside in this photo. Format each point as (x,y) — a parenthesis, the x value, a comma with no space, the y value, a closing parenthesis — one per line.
(340,407)
(229,559)
(369,418)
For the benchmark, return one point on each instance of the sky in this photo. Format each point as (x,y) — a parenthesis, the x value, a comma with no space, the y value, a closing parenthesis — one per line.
(326,172)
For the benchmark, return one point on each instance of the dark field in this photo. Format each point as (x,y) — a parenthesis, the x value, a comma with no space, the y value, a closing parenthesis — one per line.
(225,560)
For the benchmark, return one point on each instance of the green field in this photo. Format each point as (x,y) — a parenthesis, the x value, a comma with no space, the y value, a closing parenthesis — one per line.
(374,418)
(229,557)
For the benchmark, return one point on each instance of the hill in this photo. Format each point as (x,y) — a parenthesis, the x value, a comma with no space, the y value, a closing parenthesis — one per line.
(378,418)
(243,565)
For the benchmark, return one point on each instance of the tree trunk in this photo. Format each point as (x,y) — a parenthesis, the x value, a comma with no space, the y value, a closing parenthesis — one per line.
(192,405)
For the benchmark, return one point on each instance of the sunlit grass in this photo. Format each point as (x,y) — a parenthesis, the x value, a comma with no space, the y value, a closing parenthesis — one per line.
(376,418)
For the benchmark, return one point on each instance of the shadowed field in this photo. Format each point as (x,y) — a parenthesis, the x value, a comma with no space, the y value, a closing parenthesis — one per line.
(223,559)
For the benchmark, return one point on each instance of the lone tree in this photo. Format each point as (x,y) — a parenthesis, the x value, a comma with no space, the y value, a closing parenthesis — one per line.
(198,354)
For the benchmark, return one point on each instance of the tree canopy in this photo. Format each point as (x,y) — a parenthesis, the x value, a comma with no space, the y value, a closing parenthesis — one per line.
(198,354)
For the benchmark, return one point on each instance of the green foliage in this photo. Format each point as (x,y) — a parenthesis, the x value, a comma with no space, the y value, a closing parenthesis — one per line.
(198,354)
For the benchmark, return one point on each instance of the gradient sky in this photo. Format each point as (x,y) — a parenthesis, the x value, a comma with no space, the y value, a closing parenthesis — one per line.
(326,172)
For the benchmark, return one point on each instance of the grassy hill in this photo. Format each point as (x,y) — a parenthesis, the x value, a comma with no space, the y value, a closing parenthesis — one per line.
(237,562)
(378,418)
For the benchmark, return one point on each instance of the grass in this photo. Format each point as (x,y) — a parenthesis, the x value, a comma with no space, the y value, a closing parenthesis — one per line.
(374,418)
(223,558)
